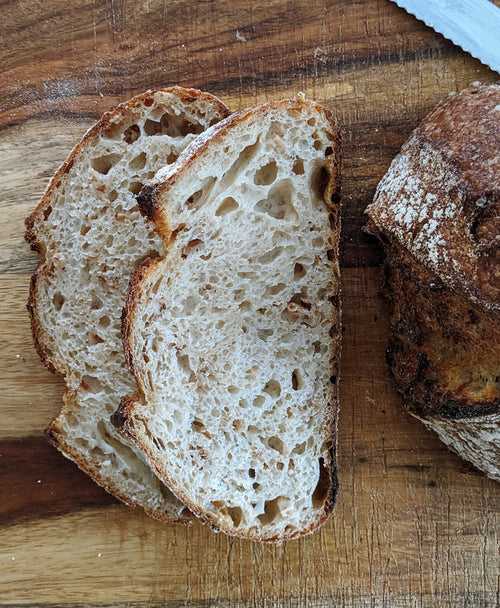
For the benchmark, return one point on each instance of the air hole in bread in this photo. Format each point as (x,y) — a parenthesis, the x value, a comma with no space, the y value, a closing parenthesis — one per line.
(232,389)
(240,164)
(280,466)
(276,444)
(245,305)
(271,510)
(297,381)
(299,300)
(91,384)
(177,126)
(247,275)
(236,514)
(298,167)
(183,362)
(191,246)
(154,289)
(95,303)
(317,346)
(251,473)
(273,388)
(311,122)
(267,174)
(220,324)
(84,229)
(135,187)
(198,426)
(274,289)
(269,256)
(158,442)
(103,164)
(113,195)
(278,204)
(319,181)
(198,198)
(227,206)
(58,300)
(131,134)
(152,127)
(256,486)
(321,490)
(243,403)
(265,333)
(317,144)
(94,338)
(299,271)
(138,162)
(299,448)
(171,158)
(238,424)
(258,401)
(328,151)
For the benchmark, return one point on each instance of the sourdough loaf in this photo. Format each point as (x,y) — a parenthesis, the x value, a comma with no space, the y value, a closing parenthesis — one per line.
(437,213)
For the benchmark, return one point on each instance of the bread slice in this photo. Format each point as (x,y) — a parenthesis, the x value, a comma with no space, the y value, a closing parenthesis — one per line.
(437,213)
(234,336)
(90,234)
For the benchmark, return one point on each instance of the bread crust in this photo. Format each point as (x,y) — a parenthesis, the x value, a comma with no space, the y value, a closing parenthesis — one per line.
(150,204)
(441,196)
(436,213)
(41,339)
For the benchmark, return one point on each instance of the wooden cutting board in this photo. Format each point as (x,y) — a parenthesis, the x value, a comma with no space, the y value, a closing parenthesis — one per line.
(414,525)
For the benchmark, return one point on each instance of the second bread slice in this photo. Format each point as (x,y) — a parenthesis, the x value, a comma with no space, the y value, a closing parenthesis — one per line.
(234,336)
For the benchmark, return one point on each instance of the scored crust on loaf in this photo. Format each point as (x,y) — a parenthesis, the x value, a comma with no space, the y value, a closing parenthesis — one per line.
(437,212)
(90,234)
(234,336)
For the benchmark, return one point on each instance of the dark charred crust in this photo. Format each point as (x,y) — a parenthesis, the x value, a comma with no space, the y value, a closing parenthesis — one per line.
(120,418)
(437,334)
(146,200)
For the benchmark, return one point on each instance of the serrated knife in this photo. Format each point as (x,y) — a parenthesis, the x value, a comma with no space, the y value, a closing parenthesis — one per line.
(473,25)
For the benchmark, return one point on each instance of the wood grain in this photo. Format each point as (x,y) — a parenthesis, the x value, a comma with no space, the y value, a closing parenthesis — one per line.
(414,526)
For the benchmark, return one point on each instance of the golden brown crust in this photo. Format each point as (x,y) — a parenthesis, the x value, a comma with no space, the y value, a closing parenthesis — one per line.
(123,420)
(55,436)
(150,203)
(41,213)
(440,198)
(142,270)
(151,206)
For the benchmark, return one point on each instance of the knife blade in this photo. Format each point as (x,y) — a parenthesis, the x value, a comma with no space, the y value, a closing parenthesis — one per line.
(473,25)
